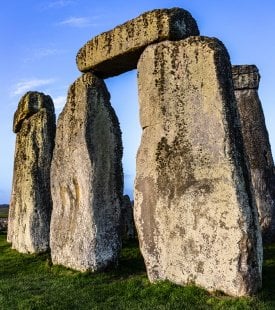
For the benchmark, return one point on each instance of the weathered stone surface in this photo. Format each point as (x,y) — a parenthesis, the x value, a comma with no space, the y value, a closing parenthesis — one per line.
(245,77)
(127,219)
(246,82)
(86,179)
(31,204)
(118,50)
(194,211)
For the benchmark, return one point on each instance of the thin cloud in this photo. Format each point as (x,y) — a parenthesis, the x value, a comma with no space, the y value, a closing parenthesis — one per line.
(79,22)
(44,52)
(39,53)
(26,85)
(59,4)
(59,102)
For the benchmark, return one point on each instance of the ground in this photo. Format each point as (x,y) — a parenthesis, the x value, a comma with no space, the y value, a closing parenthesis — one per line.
(31,282)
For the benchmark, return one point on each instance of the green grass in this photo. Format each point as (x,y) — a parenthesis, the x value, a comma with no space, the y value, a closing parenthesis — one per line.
(31,282)
(4,212)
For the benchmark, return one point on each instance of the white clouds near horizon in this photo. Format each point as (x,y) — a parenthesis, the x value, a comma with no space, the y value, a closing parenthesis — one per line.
(21,87)
(59,102)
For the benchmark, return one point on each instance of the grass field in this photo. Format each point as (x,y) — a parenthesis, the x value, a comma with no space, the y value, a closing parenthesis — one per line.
(4,212)
(31,282)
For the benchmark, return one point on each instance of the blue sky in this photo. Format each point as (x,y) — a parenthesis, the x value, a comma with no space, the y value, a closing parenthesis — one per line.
(40,39)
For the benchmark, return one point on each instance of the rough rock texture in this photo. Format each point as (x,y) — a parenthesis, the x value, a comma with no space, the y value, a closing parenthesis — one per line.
(245,77)
(86,179)
(118,50)
(31,204)
(195,215)
(246,82)
(127,219)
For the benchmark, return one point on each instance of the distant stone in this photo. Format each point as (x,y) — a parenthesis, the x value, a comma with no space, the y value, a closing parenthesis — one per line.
(127,219)
(246,82)
(119,49)
(86,179)
(245,77)
(194,211)
(31,204)
(3,224)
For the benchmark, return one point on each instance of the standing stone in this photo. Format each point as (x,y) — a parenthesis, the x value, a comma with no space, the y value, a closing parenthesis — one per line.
(31,203)
(118,50)
(246,82)
(127,219)
(86,179)
(194,212)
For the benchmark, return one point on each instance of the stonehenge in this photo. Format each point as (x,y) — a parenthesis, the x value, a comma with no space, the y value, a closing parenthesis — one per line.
(119,49)
(86,179)
(31,204)
(204,187)
(246,82)
(87,195)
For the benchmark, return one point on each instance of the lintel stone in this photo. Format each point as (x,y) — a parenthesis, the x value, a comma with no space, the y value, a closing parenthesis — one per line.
(118,50)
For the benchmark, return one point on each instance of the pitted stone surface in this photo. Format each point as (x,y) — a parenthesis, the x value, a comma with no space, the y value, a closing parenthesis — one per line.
(118,50)
(245,77)
(31,204)
(86,179)
(246,81)
(194,212)
(127,219)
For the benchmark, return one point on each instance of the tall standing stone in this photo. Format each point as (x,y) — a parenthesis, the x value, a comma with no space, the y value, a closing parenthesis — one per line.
(31,204)
(86,179)
(194,212)
(118,50)
(246,82)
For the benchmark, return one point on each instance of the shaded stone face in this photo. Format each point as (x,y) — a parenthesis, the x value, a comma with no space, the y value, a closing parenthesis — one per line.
(118,50)
(245,77)
(127,219)
(195,215)
(246,82)
(86,179)
(31,204)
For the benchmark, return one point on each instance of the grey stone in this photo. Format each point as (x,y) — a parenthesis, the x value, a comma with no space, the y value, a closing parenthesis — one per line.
(245,77)
(256,141)
(119,49)
(3,224)
(127,219)
(31,204)
(194,210)
(86,179)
